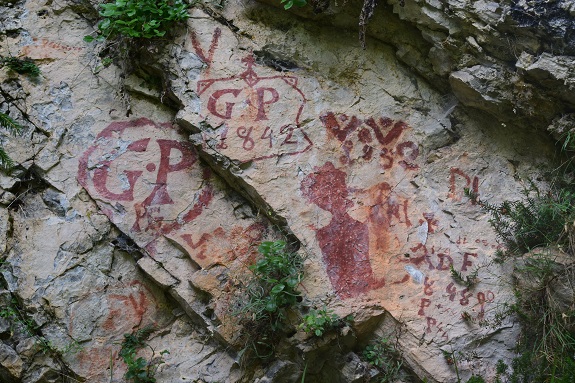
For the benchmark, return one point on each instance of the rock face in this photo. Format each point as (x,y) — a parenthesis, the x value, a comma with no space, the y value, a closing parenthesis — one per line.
(271,124)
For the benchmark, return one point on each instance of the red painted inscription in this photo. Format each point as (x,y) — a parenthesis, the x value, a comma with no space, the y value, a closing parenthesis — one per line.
(259,115)
(455,191)
(122,168)
(372,139)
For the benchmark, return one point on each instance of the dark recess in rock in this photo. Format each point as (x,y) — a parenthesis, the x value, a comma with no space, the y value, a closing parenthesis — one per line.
(549,17)
(269,59)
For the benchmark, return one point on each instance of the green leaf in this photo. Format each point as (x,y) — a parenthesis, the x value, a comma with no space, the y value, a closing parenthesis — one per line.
(108,13)
(8,123)
(277,289)
(104,24)
(271,306)
(292,282)
(318,332)
(5,161)
(89,38)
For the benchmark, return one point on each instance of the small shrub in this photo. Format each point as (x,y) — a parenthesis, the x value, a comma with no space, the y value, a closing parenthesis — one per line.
(547,342)
(383,355)
(277,276)
(539,219)
(269,295)
(139,18)
(139,369)
(317,322)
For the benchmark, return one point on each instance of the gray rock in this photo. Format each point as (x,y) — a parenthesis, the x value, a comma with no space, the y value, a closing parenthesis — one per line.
(11,365)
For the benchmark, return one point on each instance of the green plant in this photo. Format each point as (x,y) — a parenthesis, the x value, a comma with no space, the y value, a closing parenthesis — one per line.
(25,65)
(277,276)
(500,371)
(16,316)
(539,219)
(476,379)
(21,323)
(268,296)
(290,3)
(319,321)
(139,18)
(547,343)
(14,128)
(21,66)
(139,369)
(468,280)
(384,355)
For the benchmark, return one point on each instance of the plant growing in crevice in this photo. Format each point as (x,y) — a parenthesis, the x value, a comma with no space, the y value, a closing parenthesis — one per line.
(541,218)
(14,128)
(128,26)
(21,65)
(269,295)
(317,322)
(139,369)
(385,357)
(17,317)
(467,280)
(145,19)
(23,326)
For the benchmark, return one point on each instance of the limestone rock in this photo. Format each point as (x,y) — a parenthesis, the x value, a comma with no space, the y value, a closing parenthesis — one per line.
(274,124)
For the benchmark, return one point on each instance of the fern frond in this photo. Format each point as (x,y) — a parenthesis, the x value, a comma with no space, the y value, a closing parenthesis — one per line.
(5,161)
(22,66)
(9,124)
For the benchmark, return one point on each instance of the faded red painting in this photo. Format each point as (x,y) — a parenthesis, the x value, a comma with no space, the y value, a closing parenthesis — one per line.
(254,116)
(223,247)
(344,242)
(104,316)
(145,180)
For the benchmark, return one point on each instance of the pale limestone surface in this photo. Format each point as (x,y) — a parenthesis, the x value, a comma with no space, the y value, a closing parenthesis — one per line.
(113,222)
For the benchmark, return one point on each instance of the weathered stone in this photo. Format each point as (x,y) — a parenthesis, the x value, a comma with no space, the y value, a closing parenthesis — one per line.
(562,126)
(554,73)
(11,366)
(354,370)
(350,152)
(281,372)
(6,198)
(5,328)
(42,374)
